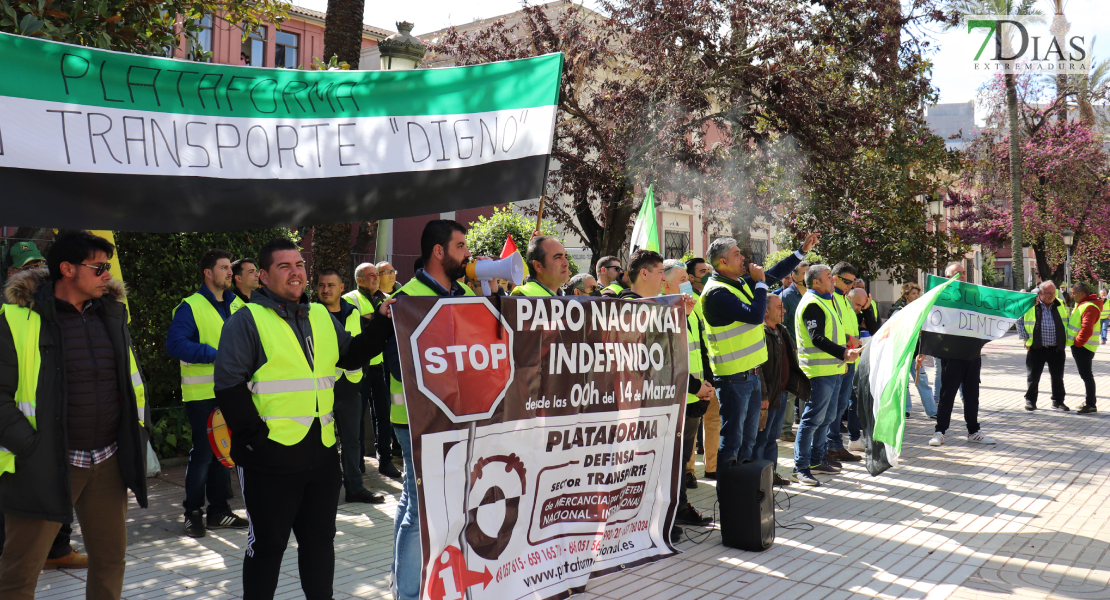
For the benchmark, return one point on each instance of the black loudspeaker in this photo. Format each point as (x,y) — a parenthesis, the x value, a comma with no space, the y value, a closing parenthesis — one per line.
(745,495)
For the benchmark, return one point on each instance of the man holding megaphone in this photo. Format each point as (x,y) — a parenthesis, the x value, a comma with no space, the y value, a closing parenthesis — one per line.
(487,272)
(548,266)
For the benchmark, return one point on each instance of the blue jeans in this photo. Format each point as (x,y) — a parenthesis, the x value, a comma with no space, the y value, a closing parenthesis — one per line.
(406,529)
(740,396)
(205,476)
(809,442)
(766,446)
(1105,326)
(925,391)
(834,439)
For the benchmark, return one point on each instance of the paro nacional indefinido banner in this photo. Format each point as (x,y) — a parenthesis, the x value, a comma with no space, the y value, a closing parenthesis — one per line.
(94,139)
(545,438)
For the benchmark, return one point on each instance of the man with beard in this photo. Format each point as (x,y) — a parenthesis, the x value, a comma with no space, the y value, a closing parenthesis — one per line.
(193,338)
(548,267)
(274,380)
(444,254)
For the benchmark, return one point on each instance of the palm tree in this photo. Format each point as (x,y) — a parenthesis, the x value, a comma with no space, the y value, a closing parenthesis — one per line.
(1009,8)
(1094,87)
(331,244)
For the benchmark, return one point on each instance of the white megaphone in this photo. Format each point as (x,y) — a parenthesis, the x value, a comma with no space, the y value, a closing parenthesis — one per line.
(511,268)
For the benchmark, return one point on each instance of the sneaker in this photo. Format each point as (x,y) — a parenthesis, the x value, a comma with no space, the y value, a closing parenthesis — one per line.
(788,436)
(711,475)
(228,520)
(1061,407)
(194,524)
(1030,406)
(824,467)
(856,445)
(387,468)
(73,560)
(365,496)
(938,439)
(805,477)
(1086,409)
(845,456)
(979,438)
(780,481)
(690,481)
(933,417)
(688,515)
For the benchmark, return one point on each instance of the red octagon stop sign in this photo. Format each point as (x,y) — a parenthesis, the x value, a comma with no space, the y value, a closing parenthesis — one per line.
(463,352)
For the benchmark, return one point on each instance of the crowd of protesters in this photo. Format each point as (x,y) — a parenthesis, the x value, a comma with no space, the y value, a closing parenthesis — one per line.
(293,378)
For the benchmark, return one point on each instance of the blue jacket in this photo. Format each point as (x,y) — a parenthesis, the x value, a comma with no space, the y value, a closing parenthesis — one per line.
(791,298)
(723,307)
(183,337)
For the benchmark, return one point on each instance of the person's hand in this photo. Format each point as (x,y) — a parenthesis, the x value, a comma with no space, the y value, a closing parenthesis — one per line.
(868,303)
(853,342)
(756,272)
(852,355)
(765,405)
(384,308)
(811,241)
(690,303)
(706,391)
(919,361)
(535,234)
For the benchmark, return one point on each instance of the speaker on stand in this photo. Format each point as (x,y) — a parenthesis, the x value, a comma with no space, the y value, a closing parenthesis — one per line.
(745,495)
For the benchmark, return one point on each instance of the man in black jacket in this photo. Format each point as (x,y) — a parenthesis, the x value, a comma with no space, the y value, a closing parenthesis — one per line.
(78,440)
(779,375)
(283,439)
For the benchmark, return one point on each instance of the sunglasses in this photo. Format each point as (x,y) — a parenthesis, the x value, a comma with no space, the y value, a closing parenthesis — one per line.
(847,281)
(100,269)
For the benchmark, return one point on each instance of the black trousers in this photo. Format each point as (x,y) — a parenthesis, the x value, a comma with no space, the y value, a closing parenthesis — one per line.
(305,503)
(956,373)
(689,437)
(1035,360)
(375,392)
(1083,359)
(348,418)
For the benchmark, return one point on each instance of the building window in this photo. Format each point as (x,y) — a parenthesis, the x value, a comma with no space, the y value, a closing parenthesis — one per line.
(204,38)
(285,51)
(254,49)
(759,251)
(675,244)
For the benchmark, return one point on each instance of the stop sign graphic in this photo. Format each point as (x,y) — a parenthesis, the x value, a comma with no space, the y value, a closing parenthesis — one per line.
(463,353)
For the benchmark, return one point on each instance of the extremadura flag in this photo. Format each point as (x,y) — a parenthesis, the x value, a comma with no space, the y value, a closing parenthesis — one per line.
(966,316)
(106,140)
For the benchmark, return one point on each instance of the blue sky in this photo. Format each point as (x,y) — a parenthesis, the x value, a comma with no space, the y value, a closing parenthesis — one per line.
(955,83)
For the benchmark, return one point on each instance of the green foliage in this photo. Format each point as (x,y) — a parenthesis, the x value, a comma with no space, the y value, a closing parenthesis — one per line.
(991,278)
(774,258)
(171,435)
(690,255)
(151,27)
(487,236)
(160,270)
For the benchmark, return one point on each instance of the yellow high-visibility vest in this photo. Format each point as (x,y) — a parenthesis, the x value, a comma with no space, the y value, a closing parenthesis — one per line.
(197,378)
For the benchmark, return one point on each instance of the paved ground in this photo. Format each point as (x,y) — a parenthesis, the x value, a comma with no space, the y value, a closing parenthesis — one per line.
(1028,518)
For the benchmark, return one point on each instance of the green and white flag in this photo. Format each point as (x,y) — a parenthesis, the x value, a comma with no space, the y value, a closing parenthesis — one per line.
(645,234)
(881,381)
(106,140)
(967,316)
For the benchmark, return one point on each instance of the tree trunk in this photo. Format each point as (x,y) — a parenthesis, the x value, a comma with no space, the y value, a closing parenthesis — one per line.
(1015,185)
(331,244)
(1044,270)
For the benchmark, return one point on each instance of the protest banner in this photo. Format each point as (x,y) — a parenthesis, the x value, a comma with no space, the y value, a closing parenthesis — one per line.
(545,438)
(108,140)
(967,316)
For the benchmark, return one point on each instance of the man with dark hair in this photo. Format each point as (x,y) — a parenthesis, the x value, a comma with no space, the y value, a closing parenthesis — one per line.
(274,381)
(444,254)
(1082,325)
(699,272)
(245,273)
(791,296)
(844,277)
(733,306)
(348,403)
(645,271)
(610,276)
(70,416)
(192,339)
(582,284)
(375,393)
(548,268)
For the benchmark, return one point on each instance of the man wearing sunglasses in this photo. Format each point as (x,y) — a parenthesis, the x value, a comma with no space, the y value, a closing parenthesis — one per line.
(192,339)
(610,276)
(844,278)
(72,409)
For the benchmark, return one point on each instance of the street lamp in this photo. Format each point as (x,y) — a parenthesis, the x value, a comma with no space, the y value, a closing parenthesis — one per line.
(399,52)
(1069,239)
(936,210)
